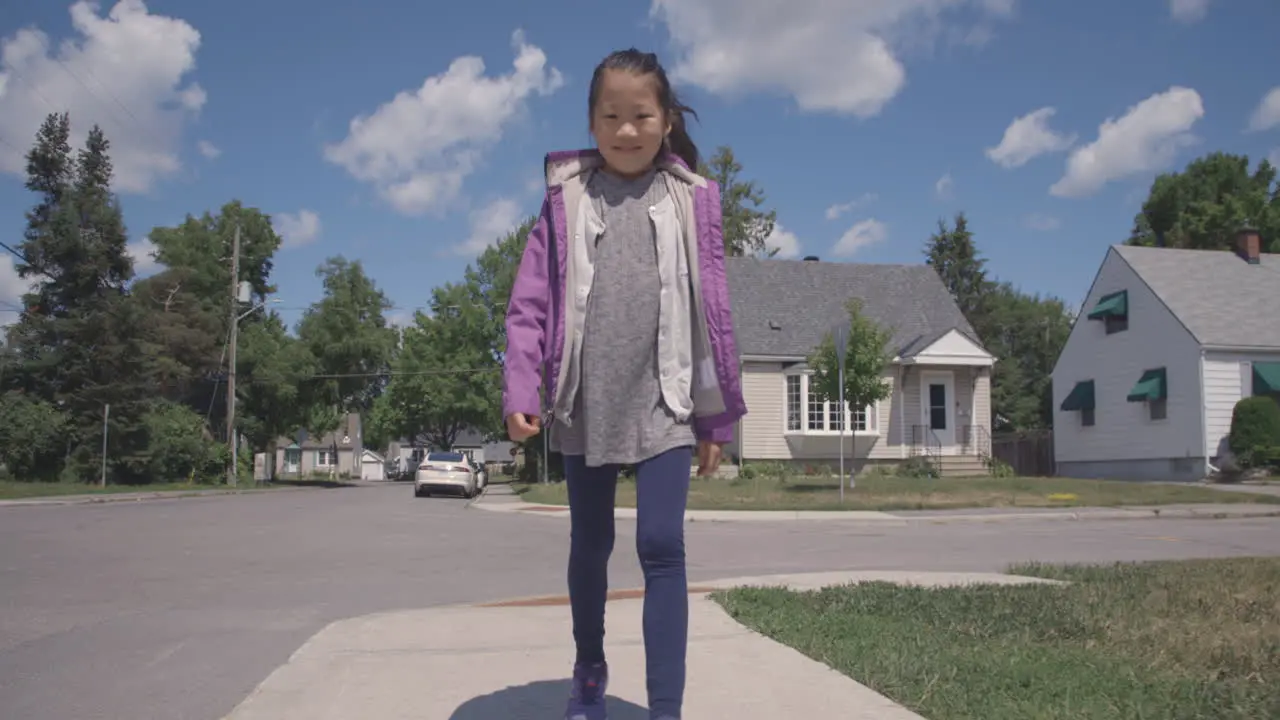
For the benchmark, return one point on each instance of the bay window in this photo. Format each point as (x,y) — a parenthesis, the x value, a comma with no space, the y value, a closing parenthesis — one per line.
(809,416)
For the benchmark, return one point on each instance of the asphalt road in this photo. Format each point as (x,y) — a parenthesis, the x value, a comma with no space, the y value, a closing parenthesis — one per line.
(177,609)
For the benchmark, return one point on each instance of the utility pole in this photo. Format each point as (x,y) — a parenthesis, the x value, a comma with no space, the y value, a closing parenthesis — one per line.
(231,353)
(106,413)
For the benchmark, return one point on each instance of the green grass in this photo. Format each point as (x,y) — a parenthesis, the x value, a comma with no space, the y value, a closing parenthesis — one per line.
(1157,641)
(15,490)
(886,492)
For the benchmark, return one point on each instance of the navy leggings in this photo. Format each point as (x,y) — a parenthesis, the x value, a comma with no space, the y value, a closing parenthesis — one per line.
(662,491)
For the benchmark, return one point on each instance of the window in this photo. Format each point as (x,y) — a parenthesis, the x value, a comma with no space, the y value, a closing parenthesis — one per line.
(1081,399)
(326,458)
(1153,389)
(795,403)
(1158,409)
(1113,311)
(1086,417)
(821,417)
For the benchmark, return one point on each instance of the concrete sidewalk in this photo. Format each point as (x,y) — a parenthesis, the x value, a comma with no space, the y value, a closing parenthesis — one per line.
(510,660)
(500,498)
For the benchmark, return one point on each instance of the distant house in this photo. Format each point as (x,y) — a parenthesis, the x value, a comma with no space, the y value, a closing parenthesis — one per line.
(940,404)
(1169,341)
(372,466)
(404,454)
(337,453)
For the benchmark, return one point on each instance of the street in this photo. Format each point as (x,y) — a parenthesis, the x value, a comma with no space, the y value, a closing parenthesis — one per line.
(177,609)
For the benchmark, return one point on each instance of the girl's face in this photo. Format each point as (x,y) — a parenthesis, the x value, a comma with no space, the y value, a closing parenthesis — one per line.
(628,122)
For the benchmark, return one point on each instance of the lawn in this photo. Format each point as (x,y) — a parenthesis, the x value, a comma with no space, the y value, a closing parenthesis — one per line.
(14,490)
(888,492)
(1158,641)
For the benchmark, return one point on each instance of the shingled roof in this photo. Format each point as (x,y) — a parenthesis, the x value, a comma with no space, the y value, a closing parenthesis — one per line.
(784,308)
(1221,299)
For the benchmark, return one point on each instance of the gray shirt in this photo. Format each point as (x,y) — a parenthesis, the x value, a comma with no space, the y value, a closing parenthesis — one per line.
(619,416)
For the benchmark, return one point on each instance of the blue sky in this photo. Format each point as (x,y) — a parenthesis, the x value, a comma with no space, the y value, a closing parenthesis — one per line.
(407,137)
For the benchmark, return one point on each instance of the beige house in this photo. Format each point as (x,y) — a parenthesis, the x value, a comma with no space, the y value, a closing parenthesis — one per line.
(940,376)
(336,454)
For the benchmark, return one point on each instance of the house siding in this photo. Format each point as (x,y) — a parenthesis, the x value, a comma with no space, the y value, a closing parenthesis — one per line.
(762,432)
(1124,443)
(1228,377)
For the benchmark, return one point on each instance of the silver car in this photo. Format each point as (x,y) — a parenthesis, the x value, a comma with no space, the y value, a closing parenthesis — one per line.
(446,471)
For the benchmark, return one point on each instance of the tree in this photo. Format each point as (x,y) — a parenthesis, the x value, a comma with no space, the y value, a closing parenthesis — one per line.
(348,334)
(32,440)
(203,246)
(952,254)
(489,282)
(273,372)
(445,379)
(1025,332)
(867,354)
(1203,206)
(745,227)
(79,343)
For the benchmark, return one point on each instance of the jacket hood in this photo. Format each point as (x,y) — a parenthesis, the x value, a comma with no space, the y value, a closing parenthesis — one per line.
(563,165)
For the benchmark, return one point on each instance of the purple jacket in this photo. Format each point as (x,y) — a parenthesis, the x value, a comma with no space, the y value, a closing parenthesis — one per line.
(536,318)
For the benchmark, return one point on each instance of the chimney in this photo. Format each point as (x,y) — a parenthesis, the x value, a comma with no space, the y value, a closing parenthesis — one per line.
(811,258)
(1249,245)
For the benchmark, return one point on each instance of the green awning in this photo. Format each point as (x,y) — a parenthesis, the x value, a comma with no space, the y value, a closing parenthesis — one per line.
(1151,386)
(1080,397)
(1266,378)
(1114,305)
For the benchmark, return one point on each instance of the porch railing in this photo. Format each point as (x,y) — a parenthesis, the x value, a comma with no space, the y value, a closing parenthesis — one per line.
(976,440)
(926,443)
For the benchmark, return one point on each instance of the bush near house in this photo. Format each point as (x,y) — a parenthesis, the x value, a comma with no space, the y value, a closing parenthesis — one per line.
(1255,432)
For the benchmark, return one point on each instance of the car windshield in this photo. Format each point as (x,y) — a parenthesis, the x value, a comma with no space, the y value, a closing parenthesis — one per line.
(447,457)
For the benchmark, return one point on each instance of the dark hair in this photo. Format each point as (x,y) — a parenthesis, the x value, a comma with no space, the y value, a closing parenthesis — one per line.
(642,63)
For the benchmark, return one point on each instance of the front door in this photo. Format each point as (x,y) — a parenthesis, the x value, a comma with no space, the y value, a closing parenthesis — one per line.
(937,400)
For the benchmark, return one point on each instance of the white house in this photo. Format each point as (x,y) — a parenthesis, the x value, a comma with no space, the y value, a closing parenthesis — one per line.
(1167,343)
(940,404)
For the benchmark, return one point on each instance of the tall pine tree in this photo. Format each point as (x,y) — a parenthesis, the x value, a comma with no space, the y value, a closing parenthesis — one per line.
(78,339)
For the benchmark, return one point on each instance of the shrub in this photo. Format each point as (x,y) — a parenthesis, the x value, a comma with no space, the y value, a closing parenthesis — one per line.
(1255,431)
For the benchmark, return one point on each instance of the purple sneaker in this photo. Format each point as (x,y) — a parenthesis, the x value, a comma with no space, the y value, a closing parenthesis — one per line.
(586,699)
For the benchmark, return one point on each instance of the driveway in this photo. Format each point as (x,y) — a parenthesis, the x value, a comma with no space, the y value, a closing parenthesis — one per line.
(177,609)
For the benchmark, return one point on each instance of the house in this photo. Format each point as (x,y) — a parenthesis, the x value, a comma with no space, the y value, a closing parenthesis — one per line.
(405,454)
(940,375)
(336,453)
(372,466)
(473,443)
(1168,342)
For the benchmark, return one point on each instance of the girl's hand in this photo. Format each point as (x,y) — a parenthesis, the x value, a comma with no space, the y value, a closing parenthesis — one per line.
(708,458)
(521,427)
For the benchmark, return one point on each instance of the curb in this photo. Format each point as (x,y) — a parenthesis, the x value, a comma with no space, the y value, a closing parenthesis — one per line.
(135,497)
(872,517)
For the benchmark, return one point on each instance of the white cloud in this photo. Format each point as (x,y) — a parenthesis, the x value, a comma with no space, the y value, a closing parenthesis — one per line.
(829,55)
(143,253)
(1188,11)
(1041,222)
(944,186)
(1267,116)
(1028,137)
(835,211)
(862,234)
(12,288)
(784,241)
(1145,140)
(1274,157)
(208,149)
(123,72)
(418,148)
(297,229)
(489,224)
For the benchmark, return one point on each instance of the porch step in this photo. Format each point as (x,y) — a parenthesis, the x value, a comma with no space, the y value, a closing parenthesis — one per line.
(963,466)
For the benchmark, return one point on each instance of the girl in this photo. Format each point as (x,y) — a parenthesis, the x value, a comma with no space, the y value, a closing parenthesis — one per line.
(620,314)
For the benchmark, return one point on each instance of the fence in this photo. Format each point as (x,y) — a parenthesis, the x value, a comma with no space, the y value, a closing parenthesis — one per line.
(1029,453)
